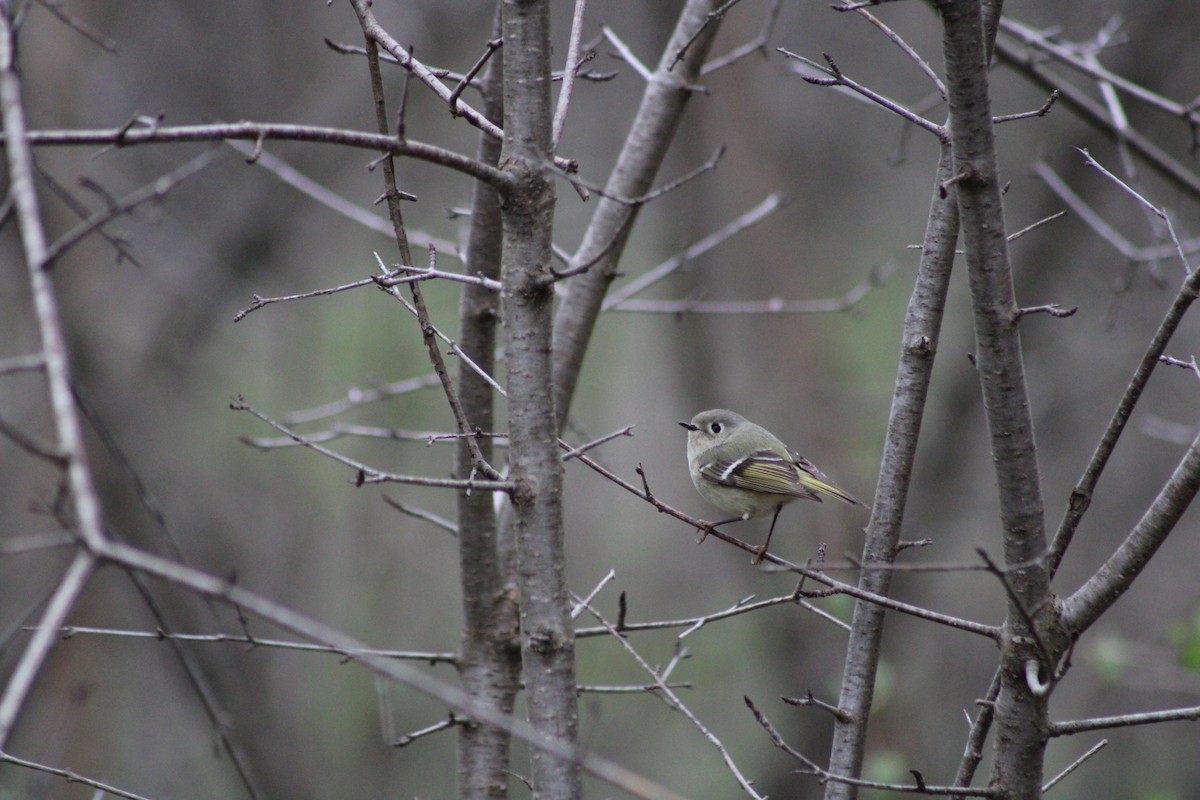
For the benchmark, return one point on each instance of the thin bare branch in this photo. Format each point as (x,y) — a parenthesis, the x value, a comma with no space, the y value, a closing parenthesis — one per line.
(71,631)
(341,430)
(824,775)
(1158,212)
(420,513)
(848,6)
(30,363)
(102,789)
(572,452)
(672,700)
(627,55)
(1040,112)
(73,22)
(367,474)
(635,202)
(574,62)
(775,305)
(297,623)
(415,273)
(357,396)
(261,302)
(581,604)
(1053,309)
(31,444)
(753,216)
(1074,765)
(326,197)
(712,18)
(446,724)
(1081,495)
(152,192)
(374,31)
(904,46)
(1187,714)
(756,45)
(1033,65)
(837,78)
(1084,606)
(492,46)
(427,326)
(261,131)
(1091,67)
(20,682)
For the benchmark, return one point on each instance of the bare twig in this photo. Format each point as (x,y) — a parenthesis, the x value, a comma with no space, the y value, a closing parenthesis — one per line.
(295,622)
(895,38)
(326,197)
(693,624)
(357,396)
(404,58)
(366,474)
(492,46)
(1093,112)
(756,45)
(152,192)
(341,430)
(1187,714)
(261,302)
(627,55)
(414,274)
(809,700)
(1053,309)
(635,202)
(753,216)
(1094,69)
(814,769)
(71,631)
(261,131)
(428,327)
(570,73)
(1074,765)
(30,363)
(73,22)
(1041,112)
(1081,495)
(572,452)
(583,603)
(674,702)
(446,724)
(1158,212)
(421,513)
(711,19)
(31,444)
(838,78)
(102,789)
(775,305)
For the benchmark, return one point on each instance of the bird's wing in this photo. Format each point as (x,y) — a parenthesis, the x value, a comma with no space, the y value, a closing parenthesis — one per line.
(762,471)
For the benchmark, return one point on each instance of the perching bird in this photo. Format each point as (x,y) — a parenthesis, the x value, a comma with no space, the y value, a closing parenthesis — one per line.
(743,469)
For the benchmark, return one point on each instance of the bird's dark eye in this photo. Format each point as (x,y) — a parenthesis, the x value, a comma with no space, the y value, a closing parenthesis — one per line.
(715,427)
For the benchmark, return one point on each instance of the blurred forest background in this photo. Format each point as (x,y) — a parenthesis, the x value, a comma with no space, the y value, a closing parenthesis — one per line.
(158,357)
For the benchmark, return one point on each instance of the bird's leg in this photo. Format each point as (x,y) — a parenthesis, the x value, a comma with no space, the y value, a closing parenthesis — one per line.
(704,532)
(762,551)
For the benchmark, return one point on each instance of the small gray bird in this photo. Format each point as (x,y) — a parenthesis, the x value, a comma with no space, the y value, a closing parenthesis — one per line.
(743,469)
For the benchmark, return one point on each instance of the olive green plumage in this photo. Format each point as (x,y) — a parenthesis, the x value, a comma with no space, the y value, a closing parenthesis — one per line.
(744,469)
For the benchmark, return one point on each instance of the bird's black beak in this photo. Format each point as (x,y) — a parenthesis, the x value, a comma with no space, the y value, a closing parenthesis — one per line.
(689,426)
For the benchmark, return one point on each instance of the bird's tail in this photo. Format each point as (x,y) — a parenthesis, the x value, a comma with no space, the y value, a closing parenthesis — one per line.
(814,479)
